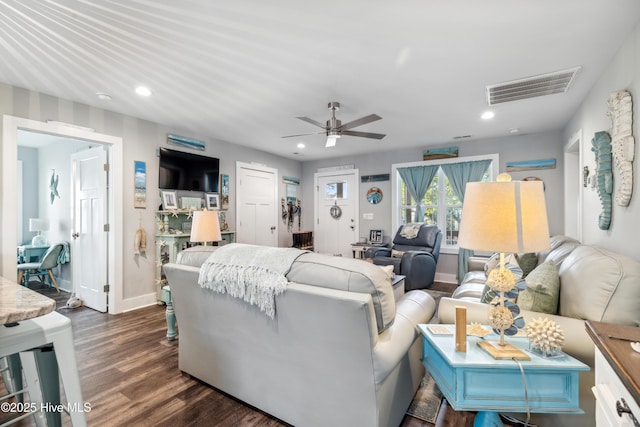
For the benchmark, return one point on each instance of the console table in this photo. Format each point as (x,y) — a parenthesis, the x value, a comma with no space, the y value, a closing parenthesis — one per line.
(172,237)
(475,381)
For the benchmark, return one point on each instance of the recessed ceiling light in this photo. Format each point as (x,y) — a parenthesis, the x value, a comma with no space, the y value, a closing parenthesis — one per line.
(514,130)
(143,91)
(103,96)
(300,145)
(488,115)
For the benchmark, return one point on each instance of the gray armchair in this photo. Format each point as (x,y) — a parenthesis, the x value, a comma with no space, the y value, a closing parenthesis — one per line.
(413,257)
(42,268)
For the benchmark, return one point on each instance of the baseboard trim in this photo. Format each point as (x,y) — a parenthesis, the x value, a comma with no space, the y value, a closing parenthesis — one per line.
(446,278)
(135,303)
(64,285)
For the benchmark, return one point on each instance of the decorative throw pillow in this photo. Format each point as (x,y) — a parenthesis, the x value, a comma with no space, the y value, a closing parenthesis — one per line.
(527,262)
(542,290)
(487,295)
(388,270)
(510,262)
(396,254)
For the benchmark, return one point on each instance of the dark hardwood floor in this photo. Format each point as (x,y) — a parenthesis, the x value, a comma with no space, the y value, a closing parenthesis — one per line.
(129,374)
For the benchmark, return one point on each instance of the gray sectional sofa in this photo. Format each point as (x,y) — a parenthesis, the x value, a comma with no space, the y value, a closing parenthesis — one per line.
(594,284)
(339,351)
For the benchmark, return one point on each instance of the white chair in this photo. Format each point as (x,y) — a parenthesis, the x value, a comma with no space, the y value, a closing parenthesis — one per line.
(24,338)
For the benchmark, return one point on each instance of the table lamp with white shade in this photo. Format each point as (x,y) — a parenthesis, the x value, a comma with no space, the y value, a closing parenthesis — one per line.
(504,216)
(39,225)
(205,227)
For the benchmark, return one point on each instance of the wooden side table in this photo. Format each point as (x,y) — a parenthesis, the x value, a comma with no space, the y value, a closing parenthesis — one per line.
(475,381)
(358,249)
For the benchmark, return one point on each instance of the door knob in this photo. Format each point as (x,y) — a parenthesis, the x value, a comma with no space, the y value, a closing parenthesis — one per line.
(75,235)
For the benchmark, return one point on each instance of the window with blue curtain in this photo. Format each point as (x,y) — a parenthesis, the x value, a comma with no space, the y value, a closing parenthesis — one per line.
(441,203)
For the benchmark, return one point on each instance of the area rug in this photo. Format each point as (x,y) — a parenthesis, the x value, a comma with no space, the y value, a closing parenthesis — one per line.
(426,402)
(437,294)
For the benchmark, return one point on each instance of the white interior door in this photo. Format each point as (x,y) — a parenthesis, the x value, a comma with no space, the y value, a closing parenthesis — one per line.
(336,216)
(89,239)
(256,205)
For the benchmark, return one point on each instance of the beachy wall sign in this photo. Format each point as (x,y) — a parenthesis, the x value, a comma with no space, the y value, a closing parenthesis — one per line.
(440,153)
(529,165)
(182,141)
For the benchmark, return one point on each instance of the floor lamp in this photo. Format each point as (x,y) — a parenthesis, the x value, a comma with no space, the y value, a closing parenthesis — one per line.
(504,216)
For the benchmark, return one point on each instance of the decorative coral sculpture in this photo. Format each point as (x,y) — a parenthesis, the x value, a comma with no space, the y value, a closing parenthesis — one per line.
(545,336)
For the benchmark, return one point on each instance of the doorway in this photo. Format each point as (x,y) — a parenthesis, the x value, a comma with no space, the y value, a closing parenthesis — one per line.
(11,127)
(336,215)
(88,233)
(256,205)
(573,186)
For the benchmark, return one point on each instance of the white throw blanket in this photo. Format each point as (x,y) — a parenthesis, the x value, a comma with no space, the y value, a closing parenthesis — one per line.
(255,274)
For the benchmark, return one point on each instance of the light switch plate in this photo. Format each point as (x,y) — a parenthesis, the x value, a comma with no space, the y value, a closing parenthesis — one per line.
(368,216)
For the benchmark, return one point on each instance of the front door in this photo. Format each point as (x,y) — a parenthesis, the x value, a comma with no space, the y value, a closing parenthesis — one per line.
(89,238)
(256,208)
(336,224)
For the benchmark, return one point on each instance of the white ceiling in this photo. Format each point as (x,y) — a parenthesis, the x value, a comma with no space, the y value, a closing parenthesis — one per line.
(241,71)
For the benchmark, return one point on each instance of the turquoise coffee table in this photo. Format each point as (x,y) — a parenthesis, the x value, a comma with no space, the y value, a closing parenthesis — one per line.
(475,381)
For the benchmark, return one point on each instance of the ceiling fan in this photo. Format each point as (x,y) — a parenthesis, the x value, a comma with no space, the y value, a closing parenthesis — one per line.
(335,129)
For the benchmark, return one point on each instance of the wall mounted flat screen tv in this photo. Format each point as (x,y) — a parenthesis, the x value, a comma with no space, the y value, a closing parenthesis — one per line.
(186,171)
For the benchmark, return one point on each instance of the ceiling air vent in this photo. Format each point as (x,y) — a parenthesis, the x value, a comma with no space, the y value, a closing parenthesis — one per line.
(545,84)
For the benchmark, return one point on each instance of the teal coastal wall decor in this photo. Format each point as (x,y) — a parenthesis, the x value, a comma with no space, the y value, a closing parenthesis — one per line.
(601,145)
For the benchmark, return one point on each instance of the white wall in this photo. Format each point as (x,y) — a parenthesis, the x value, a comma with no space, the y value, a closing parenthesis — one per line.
(57,157)
(622,73)
(30,174)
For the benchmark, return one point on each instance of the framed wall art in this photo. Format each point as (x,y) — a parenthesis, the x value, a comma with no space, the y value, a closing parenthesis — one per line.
(140,184)
(213,202)
(169,200)
(375,236)
(224,191)
(191,203)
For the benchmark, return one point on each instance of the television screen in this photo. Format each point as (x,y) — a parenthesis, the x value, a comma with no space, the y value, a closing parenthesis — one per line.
(186,171)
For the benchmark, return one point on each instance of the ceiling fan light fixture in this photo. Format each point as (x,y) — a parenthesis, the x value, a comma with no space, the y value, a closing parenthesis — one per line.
(332,137)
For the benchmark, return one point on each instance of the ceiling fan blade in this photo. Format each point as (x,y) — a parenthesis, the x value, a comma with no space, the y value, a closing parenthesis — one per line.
(359,122)
(363,134)
(313,122)
(302,134)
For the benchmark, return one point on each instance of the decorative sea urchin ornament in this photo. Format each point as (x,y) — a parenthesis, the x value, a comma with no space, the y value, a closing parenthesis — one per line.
(545,336)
